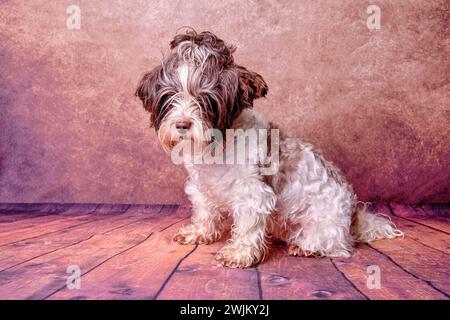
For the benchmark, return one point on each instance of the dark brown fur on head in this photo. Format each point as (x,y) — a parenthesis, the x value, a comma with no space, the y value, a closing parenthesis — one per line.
(221,87)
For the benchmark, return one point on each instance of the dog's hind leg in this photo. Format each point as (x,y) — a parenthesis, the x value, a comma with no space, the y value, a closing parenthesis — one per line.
(322,230)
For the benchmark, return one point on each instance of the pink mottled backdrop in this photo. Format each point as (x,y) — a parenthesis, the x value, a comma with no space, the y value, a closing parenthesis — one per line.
(376,102)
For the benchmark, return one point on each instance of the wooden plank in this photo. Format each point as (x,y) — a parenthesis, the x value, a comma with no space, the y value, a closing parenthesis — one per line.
(24,212)
(54,224)
(30,219)
(35,230)
(418,215)
(421,233)
(395,283)
(419,260)
(423,262)
(295,278)
(12,215)
(200,278)
(22,251)
(138,273)
(44,275)
(118,262)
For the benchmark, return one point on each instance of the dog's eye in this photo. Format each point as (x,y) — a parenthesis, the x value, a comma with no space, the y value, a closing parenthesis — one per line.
(208,104)
(163,101)
(163,106)
(213,104)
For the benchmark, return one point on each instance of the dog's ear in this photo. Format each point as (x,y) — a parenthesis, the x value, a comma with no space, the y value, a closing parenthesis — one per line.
(237,90)
(251,86)
(148,89)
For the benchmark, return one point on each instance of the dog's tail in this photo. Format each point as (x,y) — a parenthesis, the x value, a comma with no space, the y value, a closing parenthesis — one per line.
(368,226)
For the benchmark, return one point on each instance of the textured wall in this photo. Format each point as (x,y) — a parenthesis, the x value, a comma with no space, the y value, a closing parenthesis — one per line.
(376,102)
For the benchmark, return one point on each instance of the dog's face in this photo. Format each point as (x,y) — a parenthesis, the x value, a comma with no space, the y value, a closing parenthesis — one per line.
(197,87)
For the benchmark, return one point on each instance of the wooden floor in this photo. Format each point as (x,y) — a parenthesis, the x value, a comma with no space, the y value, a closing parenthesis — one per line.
(126,252)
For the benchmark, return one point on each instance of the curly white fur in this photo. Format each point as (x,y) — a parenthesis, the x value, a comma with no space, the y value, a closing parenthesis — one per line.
(307,203)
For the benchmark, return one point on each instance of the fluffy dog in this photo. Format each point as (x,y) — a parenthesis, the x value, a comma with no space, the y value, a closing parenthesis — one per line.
(305,201)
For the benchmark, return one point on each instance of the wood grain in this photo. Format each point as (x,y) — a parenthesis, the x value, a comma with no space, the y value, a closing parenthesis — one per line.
(297,278)
(25,250)
(395,282)
(200,278)
(424,262)
(44,275)
(138,273)
(423,234)
(127,252)
(20,216)
(422,216)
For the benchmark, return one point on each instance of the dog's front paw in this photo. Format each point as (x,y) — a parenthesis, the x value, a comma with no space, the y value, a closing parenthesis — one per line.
(239,256)
(193,234)
(295,250)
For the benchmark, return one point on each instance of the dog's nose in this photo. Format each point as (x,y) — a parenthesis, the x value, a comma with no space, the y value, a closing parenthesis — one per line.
(183,124)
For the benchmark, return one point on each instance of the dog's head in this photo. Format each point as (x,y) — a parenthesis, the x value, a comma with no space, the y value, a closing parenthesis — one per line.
(197,87)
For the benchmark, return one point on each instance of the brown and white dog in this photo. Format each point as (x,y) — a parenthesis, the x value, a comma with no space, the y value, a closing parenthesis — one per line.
(305,202)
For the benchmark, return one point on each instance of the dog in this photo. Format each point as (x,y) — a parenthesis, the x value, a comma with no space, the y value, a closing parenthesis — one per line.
(306,202)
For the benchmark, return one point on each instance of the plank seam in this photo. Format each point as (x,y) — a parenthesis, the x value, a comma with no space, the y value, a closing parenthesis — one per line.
(426,245)
(66,228)
(410,273)
(172,224)
(75,243)
(43,254)
(48,233)
(414,239)
(166,281)
(104,261)
(127,224)
(393,213)
(258,277)
(348,280)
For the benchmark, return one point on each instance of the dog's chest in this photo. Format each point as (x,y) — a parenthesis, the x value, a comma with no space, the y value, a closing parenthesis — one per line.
(216,182)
